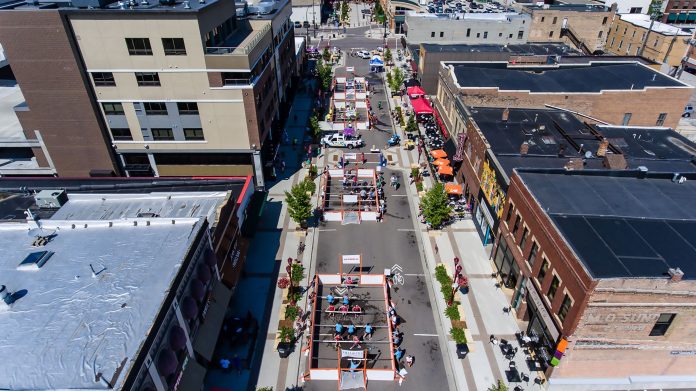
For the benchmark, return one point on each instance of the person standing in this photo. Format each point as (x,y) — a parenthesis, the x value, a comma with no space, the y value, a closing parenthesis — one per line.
(410,360)
(368,331)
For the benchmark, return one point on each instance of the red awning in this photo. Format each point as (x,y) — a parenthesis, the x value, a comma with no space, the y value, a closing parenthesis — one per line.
(421,106)
(414,66)
(415,91)
(442,126)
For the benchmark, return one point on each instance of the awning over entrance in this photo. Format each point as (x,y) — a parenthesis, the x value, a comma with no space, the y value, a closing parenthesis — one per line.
(210,329)
(421,106)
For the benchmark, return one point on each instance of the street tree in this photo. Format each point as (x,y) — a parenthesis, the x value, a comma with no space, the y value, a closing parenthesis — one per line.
(379,13)
(299,203)
(345,10)
(435,206)
(412,126)
(314,126)
(324,72)
(499,386)
(388,56)
(397,79)
(326,55)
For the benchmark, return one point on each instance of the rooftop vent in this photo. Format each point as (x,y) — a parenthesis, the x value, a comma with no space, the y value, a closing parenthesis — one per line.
(675,275)
(642,172)
(35,260)
(187,5)
(5,298)
(51,199)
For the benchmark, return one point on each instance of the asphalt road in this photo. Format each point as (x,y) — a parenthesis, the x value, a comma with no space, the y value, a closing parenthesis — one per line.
(382,246)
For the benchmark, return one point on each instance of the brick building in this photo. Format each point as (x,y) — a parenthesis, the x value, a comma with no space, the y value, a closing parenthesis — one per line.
(621,92)
(612,273)
(665,43)
(679,12)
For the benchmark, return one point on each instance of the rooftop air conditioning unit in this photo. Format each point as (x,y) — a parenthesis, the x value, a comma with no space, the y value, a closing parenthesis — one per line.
(51,199)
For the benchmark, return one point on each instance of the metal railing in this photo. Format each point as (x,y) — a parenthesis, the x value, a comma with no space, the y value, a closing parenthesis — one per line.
(243,50)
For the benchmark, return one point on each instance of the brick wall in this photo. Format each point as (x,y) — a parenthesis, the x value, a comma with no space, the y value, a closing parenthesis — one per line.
(591,27)
(43,58)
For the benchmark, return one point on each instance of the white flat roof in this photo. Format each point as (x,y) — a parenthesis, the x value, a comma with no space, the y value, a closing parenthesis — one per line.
(70,326)
(82,206)
(642,20)
(10,96)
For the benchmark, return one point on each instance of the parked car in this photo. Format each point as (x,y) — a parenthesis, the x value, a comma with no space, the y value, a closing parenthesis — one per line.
(363,54)
(339,140)
(688,110)
(305,24)
(298,24)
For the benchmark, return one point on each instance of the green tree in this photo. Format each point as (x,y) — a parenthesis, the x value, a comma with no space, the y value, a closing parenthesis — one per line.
(380,17)
(412,125)
(499,386)
(345,10)
(389,79)
(314,126)
(325,75)
(326,55)
(398,79)
(388,56)
(435,206)
(299,203)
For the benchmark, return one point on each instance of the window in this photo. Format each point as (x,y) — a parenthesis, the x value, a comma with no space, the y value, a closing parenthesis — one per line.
(520,34)
(103,79)
(642,37)
(517,225)
(626,119)
(442,34)
(468,32)
(633,35)
(565,307)
(555,282)
(139,46)
(662,324)
(625,30)
(628,49)
(113,108)
(542,19)
(478,35)
(617,28)
(525,235)
(485,34)
(500,35)
(620,43)
(661,119)
(550,34)
(612,41)
(174,46)
(187,108)
(509,214)
(121,134)
(510,36)
(147,79)
(542,271)
(533,254)
(432,34)
(555,19)
(155,108)
(193,134)
(600,33)
(655,44)
(604,21)
(160,134)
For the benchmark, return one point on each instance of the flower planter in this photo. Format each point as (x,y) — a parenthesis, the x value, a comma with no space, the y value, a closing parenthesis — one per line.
(459,324)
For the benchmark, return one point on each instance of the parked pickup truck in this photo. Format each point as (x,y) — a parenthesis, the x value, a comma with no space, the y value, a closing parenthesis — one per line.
(338,140)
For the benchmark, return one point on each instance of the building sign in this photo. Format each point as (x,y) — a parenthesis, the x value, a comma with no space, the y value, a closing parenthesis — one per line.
(181,373)
(352,353)
(543,313)
(351,259)
(235,257)
(683,352)
(491,190)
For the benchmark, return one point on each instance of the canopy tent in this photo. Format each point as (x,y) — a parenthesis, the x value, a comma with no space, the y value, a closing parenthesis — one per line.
(415,91)
(438,153)
(376,60)
(421,106)
(445,170)
(454,189)
(441,162)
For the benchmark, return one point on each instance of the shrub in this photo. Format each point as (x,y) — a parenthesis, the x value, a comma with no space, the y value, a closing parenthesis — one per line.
(283,282)
(287,334)
(499,386)
(297,273)
(419,186)
(313,171)
(451,312)
(309,184)
(265,389)
(291,312)
(458,335)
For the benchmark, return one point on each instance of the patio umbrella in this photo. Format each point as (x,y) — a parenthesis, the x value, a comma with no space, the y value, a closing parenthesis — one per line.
(197,290)
(167,362)
(454,189)
(441,162)
(445,170)
(204,273)
(438,153)
(189,308)
(177,338)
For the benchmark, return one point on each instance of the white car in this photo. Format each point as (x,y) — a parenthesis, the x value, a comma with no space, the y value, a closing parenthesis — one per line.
(338,140)
(363,54)
(688,110)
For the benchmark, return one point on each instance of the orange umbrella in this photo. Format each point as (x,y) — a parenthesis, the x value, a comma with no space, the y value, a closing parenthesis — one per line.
(452,188)
(438,153)
(441,162)
(445,170)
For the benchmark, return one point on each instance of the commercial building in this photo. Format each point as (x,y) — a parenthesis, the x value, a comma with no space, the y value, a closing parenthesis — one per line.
(427,56)
(395,11)
(196,91)
(615,91)
(631,34)
(306,11)
(629,6)
(139,271)
(495,141)
(467,28)
(583,25)
(601,267)
(679,12)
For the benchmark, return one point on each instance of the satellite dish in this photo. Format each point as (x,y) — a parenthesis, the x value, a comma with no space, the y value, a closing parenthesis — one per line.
(588,154)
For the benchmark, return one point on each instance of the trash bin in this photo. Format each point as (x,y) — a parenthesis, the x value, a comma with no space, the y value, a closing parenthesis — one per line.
(462,350)
(284,349)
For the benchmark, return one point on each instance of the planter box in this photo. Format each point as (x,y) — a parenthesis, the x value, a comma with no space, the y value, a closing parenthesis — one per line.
(459,323)
(285,323)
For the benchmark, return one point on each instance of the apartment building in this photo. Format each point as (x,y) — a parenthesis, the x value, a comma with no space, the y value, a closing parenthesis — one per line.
(679,12)
(583,25)
(603,279)
(631,34)
(468,28)
(150,89)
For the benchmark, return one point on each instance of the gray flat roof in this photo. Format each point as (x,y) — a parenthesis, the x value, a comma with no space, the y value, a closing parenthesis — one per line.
(10,96)
(522,49)
(67,326)
(577,78)
(622,226)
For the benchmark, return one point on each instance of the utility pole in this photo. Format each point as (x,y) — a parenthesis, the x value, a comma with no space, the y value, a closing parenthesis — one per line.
(655,12)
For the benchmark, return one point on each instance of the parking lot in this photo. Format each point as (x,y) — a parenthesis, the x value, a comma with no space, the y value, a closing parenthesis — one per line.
(465,6)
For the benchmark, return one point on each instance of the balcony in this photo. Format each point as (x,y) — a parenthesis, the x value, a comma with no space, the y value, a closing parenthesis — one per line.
(241,50)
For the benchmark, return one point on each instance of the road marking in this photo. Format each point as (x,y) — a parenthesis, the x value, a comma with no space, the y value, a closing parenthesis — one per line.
(327,230)
(427,335)
(396,268)
(406,230)
(399,195)
(415,275)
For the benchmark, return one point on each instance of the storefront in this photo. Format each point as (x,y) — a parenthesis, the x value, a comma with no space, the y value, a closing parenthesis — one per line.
(484,222)
(541,327)
(506,265)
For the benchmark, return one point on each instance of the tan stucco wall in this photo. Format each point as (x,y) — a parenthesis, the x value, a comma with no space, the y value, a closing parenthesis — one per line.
(630,38)
(586,24)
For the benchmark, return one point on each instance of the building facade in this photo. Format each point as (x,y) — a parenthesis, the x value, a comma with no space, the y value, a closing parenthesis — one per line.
(679,12)
(629,6)
(196,93)
(630,34)
(494,28)
(584,26)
